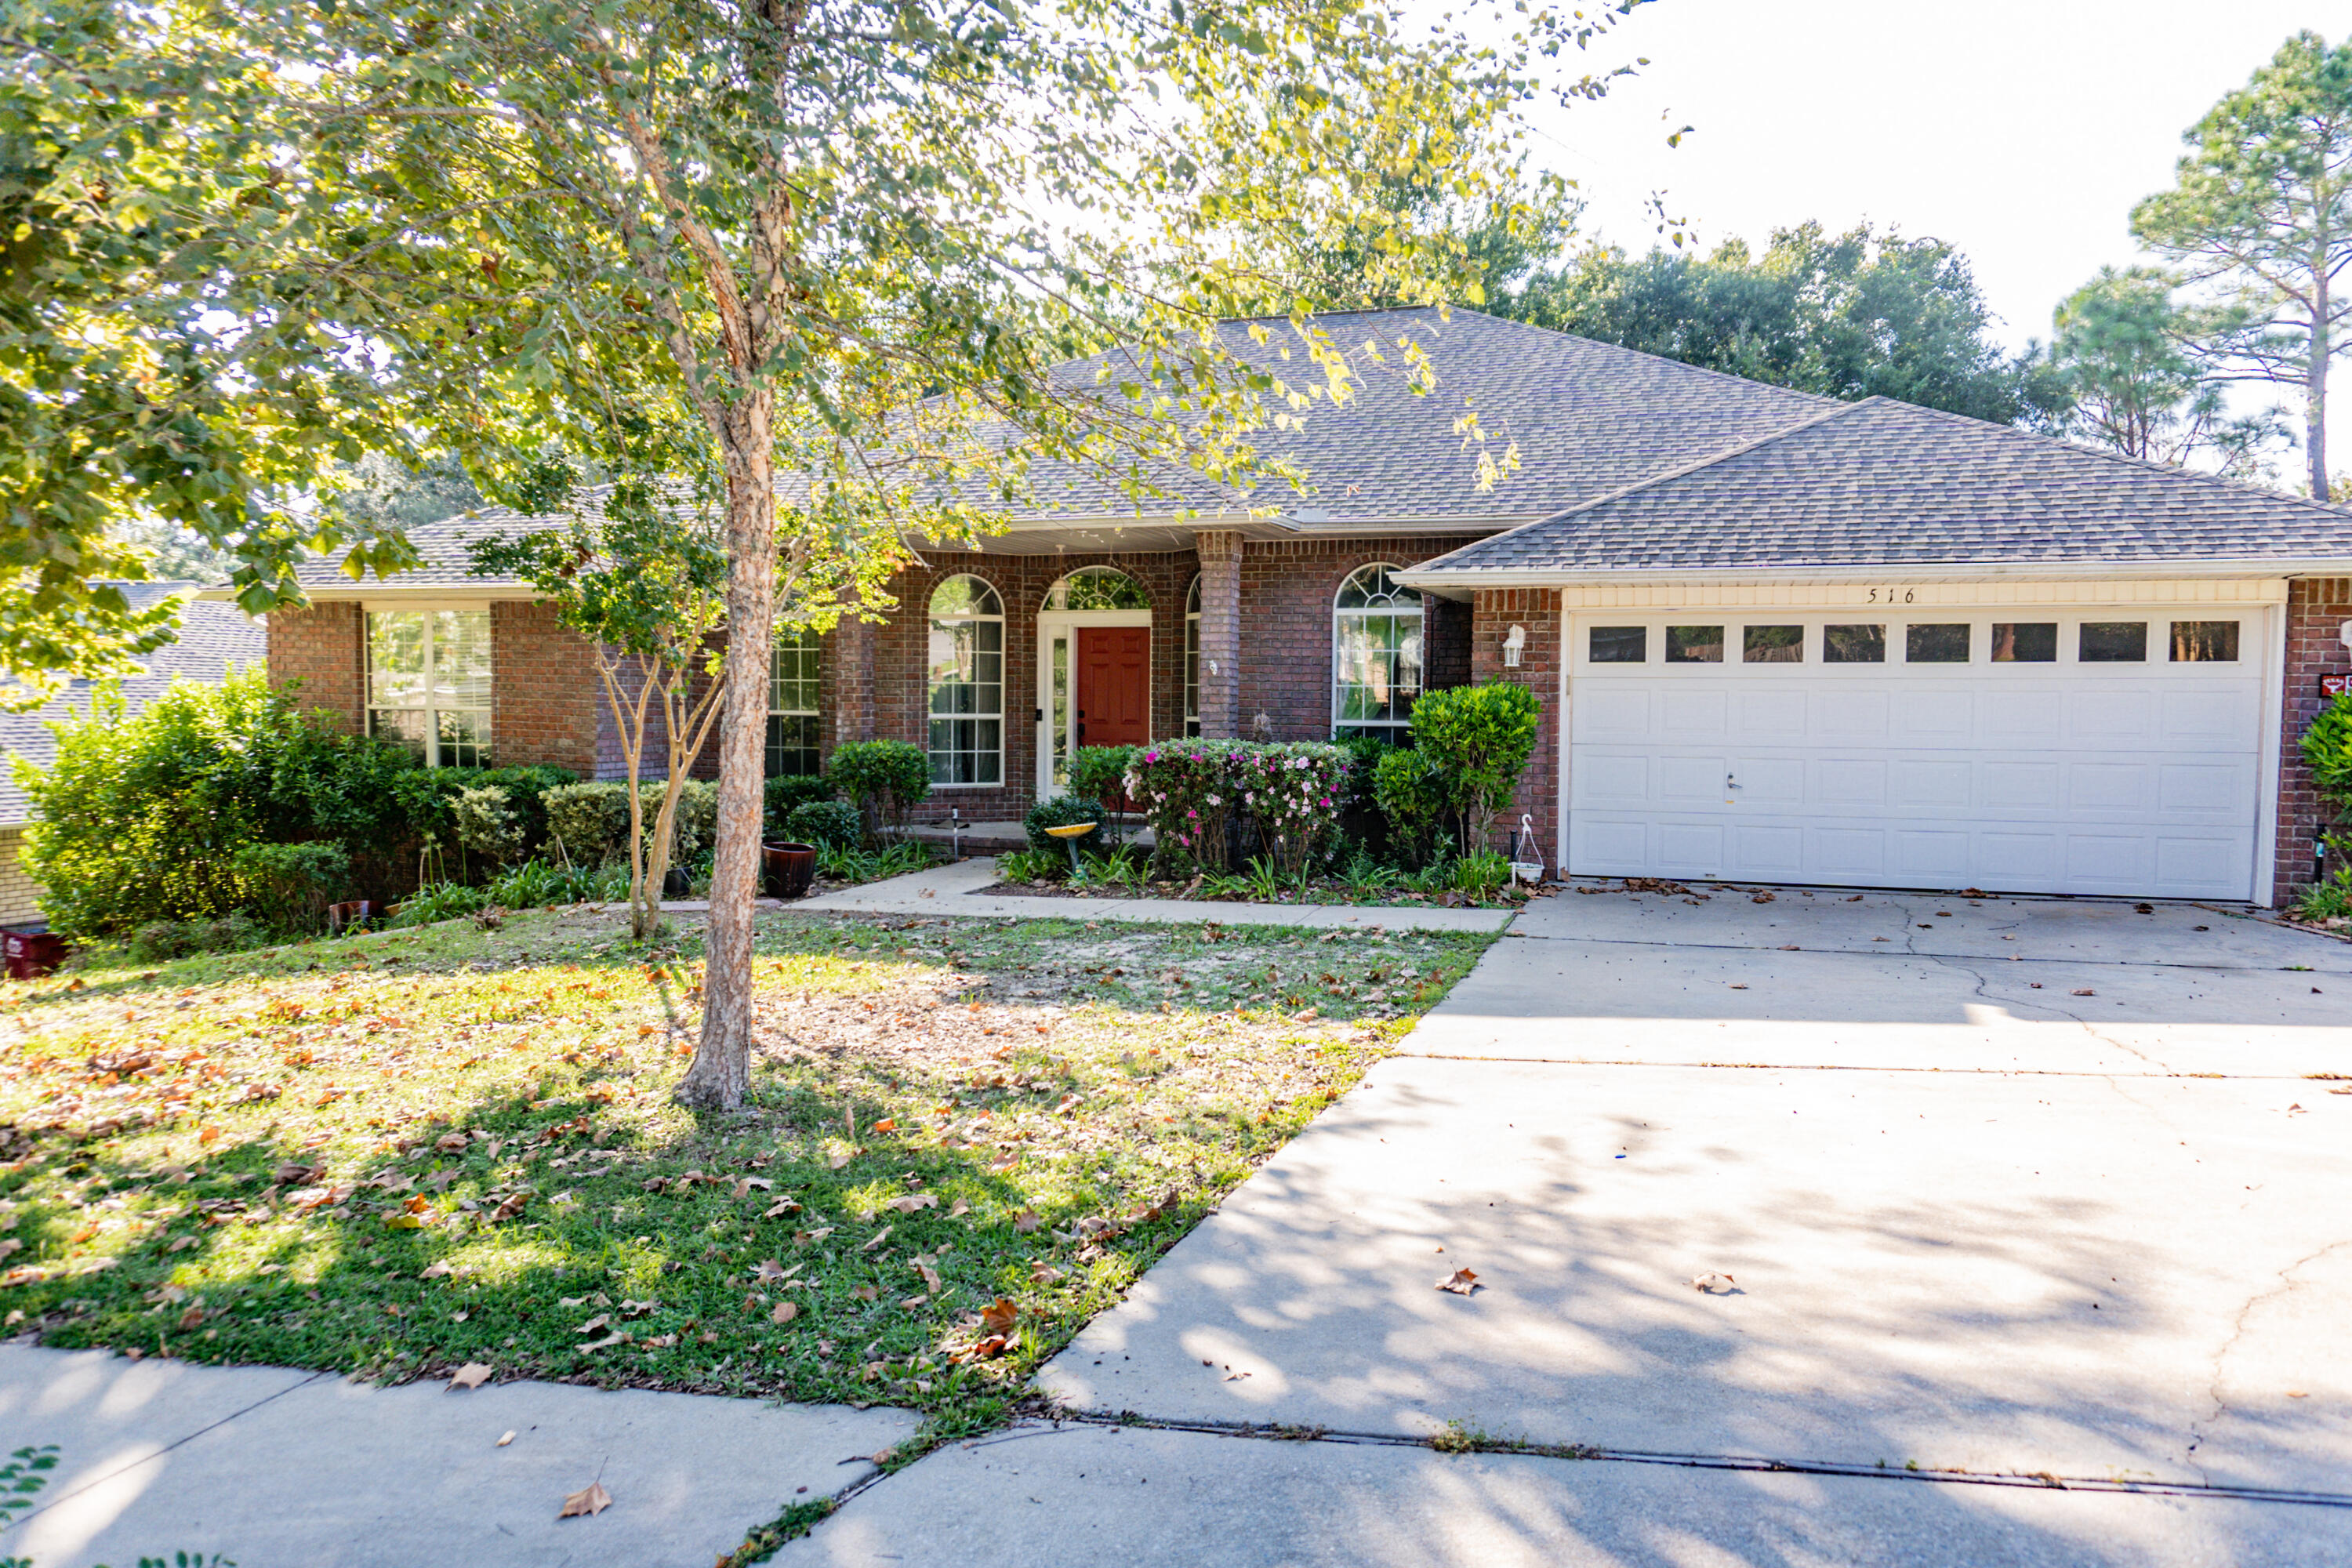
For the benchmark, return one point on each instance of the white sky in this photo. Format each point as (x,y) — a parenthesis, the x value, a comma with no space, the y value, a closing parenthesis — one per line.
(2022,131)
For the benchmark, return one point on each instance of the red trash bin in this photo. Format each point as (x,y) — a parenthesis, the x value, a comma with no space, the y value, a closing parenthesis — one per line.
(32,955)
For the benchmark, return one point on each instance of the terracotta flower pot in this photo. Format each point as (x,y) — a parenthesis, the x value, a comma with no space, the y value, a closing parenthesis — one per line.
(790,867)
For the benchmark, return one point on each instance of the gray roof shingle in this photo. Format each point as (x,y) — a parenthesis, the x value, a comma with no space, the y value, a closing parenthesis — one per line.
(212,638)
(1886,483)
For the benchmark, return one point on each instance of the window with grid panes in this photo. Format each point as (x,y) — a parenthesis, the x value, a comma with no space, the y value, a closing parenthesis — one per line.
(795,678)
(429,683)
(1376,628)
(967,683)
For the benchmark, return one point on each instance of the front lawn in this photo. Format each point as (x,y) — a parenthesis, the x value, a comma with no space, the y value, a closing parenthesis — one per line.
(404,1152)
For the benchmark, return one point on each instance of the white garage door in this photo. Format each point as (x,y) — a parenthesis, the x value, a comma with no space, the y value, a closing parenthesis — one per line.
(2111,752)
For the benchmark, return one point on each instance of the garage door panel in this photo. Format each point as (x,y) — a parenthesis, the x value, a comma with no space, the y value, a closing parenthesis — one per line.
(2110,786)
(2135,780)
(1688,712)
(1614,713)
(1936,786)
(1849,713)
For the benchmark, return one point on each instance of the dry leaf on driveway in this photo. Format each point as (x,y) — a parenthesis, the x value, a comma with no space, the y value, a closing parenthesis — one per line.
(1713,1284)
(504,1441)
(2085,991)
(1462,1282)
(579,1504)
(473,1374)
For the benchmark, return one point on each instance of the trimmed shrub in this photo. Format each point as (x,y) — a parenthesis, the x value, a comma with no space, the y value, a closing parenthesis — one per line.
(780,796)
(1410,792)
(488,823)
(885,779)
(290,885)
(696,827)
(1061,812)
(1479,738)
(428,800)
(828,823)
(1100,773)
(591,821)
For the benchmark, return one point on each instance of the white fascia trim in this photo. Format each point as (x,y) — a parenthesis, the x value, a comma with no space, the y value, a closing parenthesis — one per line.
(1463,581)
(410,596)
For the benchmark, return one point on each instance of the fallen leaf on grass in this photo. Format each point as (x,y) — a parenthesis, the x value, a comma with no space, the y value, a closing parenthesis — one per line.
(1713,1284)
(1026,1221)
(785,1313)
(592,1324)
(999,1316)
(594,1501)
(876,1240)
(473,1374)
(439,1271)
(866,1294)
(960,1209)
(914,1201)
(781,1207)
(1462,1282)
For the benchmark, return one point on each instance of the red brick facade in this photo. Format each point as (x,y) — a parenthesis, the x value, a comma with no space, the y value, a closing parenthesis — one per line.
(1494,613)
(1288,589)
(544,693)
(321,650)
(2316,610)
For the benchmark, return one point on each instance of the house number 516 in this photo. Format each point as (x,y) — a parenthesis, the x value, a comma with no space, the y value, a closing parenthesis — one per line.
(1887,595)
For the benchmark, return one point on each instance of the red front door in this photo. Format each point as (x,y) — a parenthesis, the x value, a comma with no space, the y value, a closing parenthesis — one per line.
(1114,686)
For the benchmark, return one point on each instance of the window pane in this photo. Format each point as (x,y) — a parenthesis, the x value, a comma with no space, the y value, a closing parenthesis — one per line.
(1098,588)
(1376,666)
(465,738)
(1693,645)
(2025,642)
(1936,644)
(461,659)
(405,726)
(795,674)
(966,596)
(395,658)
(792,745)
(1773,644)
(2113,642)
(1853,645)
(1621,644)
(1192,669)
(2204,642)
(1368,588)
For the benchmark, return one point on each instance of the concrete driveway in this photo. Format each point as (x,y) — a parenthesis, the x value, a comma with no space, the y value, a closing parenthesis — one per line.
(2038,1200)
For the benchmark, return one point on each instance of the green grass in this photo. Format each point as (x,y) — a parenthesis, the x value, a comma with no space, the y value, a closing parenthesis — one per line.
(402,1152)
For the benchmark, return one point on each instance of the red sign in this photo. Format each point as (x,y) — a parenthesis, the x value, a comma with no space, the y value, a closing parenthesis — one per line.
(2335,685)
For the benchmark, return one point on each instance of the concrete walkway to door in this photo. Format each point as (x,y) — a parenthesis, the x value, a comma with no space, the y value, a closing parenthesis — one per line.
(2030,1199)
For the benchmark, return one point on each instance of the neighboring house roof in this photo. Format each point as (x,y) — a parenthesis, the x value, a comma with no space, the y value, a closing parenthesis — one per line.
(213,638)
(1882,483)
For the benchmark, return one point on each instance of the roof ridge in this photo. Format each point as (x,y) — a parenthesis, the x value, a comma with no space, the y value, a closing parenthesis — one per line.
(2168,470)
(1668,477)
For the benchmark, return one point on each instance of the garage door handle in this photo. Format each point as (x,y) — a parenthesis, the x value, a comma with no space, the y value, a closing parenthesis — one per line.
(1731,781)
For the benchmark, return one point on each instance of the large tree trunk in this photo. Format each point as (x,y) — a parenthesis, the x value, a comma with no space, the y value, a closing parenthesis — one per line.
(2314,385)
(721,1070)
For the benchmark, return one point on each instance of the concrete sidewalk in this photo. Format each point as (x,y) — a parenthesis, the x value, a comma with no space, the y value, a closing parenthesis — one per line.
(956,890)
(278,1469)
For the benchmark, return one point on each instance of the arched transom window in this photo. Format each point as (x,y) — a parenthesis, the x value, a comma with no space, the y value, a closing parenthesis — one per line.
(1097,588)
(967,682)
(1375,655)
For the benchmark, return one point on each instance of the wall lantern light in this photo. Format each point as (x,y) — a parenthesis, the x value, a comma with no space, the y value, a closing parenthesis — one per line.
(1513,641)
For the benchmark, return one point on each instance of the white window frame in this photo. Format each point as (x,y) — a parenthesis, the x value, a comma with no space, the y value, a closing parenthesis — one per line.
(1394,729)
(938,623)
(1192,657)
(484,714)
(799,643)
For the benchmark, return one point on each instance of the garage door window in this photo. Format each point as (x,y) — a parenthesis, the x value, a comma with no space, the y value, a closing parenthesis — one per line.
(1621,644)
(1853,645)
(1773,644)
(2025,642)
(2204,642)
(1693,645)
(2114,642)
(1941,644)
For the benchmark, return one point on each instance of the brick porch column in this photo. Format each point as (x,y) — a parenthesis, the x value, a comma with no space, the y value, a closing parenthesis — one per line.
(2315,607)
(1221,633)
(850,657)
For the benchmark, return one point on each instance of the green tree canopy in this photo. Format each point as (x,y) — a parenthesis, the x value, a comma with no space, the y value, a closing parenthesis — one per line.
(2119,342)
(2261,209)
(1855,315)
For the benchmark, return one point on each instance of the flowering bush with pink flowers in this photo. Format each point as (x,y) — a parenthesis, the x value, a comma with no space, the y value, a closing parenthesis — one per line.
(1291,792)
(1294,792)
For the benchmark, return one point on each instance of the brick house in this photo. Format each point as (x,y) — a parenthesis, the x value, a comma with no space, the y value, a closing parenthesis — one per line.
(1776,637)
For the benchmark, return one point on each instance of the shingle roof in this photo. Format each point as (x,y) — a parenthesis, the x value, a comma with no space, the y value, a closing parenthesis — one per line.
(1881,482)
(211,638)
(1588,419)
